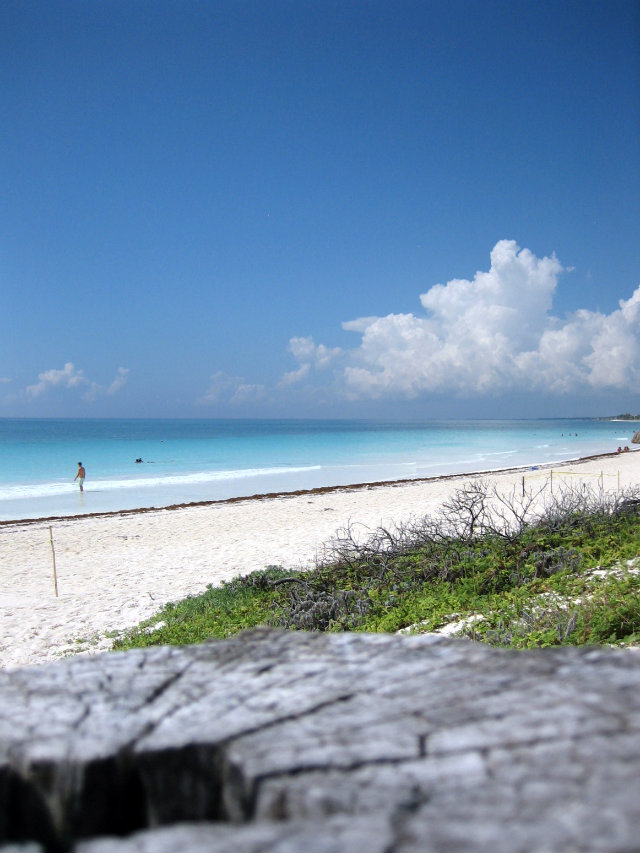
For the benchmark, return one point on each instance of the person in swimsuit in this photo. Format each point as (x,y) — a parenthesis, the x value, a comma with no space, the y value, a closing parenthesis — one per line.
(80,476)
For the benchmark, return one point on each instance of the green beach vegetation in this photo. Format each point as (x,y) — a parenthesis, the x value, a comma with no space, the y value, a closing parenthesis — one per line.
(494,568)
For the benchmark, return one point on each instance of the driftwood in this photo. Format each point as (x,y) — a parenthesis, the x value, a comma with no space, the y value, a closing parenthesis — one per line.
(286,741)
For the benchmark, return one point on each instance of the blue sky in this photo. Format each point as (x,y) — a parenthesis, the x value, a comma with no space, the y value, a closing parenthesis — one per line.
(285,208)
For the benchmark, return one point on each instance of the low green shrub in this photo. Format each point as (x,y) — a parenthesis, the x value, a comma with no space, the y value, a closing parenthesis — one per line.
(526,573)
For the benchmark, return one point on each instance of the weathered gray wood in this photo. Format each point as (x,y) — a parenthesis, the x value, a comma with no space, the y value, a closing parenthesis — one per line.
(275,741)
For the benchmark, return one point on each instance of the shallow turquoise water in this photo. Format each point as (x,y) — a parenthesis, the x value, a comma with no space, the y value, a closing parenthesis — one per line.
(195,460)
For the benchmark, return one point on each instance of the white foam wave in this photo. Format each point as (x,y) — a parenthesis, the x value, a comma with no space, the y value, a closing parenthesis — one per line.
(44,490)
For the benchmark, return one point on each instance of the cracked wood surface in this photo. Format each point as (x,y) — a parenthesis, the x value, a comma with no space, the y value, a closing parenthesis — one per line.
(275,741)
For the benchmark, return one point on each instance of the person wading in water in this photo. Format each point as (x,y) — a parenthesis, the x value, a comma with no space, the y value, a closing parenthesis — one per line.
(80,476)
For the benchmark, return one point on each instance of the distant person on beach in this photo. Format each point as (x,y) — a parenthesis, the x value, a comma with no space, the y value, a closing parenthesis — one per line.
(80,476)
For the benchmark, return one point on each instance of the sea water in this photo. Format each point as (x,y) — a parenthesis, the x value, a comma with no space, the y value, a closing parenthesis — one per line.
(186,461)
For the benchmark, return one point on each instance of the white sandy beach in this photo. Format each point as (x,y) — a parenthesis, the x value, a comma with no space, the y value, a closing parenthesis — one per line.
(115,570)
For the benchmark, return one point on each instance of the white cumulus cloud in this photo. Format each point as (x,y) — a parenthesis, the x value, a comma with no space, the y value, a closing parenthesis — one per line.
(70,377)
(309,355)
(248,392)
(120,380)
(219,386)
(294,376)
(231,389)
(490,334)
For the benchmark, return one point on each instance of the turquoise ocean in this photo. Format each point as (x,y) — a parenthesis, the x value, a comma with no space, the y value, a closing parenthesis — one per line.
(186,461)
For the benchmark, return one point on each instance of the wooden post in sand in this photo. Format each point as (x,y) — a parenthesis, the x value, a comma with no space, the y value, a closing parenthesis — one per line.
(53,553)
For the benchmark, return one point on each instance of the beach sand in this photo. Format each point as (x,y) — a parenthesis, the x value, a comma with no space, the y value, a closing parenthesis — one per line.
(115,570)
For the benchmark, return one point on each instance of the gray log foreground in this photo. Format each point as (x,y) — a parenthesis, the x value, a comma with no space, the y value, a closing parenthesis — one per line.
(312,743)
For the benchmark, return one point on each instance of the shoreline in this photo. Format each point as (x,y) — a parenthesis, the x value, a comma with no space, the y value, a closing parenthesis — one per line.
(117,569)
(544,466)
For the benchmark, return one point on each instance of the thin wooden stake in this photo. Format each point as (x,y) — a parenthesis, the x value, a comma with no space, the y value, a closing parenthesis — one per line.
(53,553)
